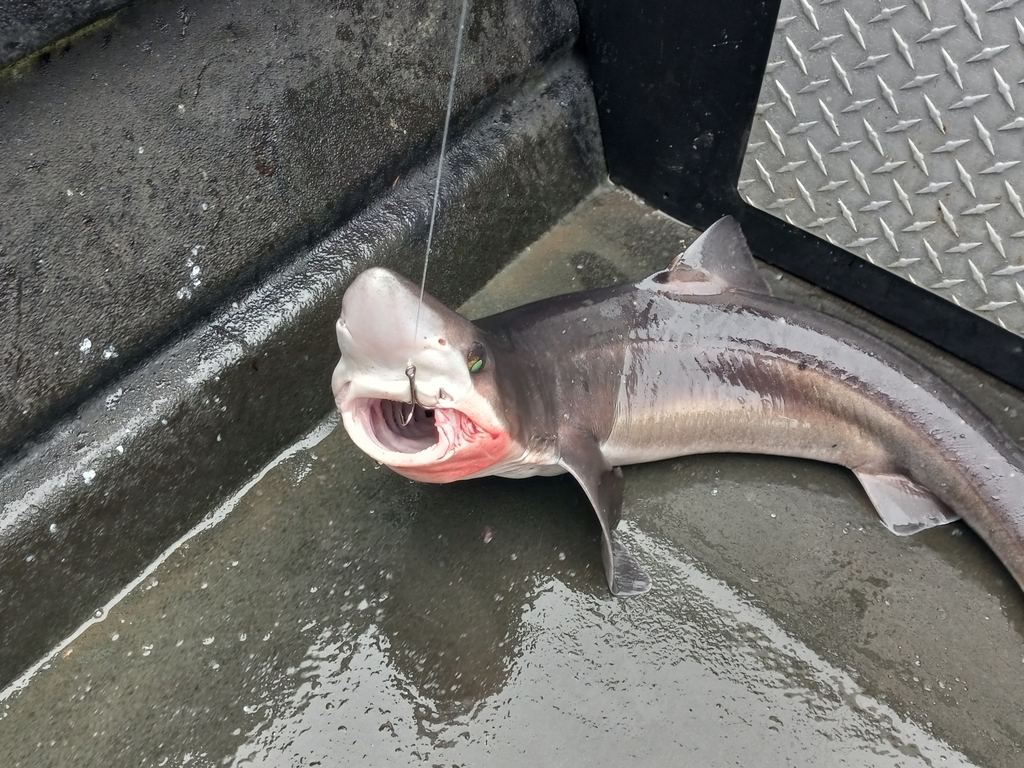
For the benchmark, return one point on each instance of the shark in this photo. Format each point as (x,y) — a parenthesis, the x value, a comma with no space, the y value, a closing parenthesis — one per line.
(696,358)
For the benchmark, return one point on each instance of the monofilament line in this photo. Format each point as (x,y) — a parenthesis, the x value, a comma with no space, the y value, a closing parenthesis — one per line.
(440,165)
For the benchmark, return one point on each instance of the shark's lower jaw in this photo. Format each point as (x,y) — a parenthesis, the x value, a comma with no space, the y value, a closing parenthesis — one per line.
(390,424)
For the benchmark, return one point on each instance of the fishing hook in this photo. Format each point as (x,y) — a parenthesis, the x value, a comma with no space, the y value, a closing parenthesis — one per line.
(410,372)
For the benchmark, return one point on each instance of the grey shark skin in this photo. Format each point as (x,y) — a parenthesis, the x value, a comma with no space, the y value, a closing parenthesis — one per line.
(699,358)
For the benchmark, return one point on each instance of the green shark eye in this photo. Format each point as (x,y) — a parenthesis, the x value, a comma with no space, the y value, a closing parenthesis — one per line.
(475,361)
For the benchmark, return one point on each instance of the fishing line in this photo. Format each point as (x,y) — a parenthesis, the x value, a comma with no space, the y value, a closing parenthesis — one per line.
(410,370)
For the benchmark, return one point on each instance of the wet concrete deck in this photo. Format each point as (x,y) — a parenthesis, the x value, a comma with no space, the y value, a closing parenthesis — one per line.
(334,613)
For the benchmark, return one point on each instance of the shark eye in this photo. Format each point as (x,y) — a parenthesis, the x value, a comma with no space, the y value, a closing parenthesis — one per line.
(476,358)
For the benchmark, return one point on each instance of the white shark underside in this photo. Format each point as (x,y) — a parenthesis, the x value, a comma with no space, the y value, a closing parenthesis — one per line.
(696,359)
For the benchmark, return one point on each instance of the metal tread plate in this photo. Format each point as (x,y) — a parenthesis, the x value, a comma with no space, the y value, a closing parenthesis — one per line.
(896,131)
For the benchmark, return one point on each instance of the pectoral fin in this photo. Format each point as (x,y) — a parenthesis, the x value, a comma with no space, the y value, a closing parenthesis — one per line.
(582,458)
(904,506)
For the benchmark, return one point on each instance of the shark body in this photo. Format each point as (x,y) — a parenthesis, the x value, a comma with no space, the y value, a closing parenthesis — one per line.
(698,358)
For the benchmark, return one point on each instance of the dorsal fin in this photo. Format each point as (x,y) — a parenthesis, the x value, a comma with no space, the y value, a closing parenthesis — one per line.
(722,251)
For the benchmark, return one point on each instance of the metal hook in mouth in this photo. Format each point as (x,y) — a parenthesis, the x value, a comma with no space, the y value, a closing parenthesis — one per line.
(410,372)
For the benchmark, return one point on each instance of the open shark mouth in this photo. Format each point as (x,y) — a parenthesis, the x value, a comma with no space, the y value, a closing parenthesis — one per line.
(429,444)
(388,423)
(438,431)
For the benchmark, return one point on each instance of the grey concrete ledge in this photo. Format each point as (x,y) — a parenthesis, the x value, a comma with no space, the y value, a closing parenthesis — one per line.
(158,161)
(147,458)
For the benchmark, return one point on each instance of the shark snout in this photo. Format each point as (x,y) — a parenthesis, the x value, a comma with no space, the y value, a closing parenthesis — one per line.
(370,368)
(384,333)
(378,313)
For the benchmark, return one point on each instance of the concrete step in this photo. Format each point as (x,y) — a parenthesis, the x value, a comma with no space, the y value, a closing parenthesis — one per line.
(140,463)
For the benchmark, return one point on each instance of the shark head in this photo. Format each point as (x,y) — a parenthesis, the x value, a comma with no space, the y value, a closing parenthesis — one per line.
(417,396)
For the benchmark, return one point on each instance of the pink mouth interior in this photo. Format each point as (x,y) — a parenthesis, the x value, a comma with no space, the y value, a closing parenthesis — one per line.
(385,421)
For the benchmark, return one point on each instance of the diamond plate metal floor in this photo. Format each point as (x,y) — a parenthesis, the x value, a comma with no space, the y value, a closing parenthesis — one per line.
(896,131)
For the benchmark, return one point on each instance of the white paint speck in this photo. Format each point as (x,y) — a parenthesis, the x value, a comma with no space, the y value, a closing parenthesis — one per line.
(89,475)
(194,273)
(112,398)
(110,352)
(86,346)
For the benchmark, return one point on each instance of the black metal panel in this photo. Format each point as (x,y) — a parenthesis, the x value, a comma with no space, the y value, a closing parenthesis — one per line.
(677,82)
